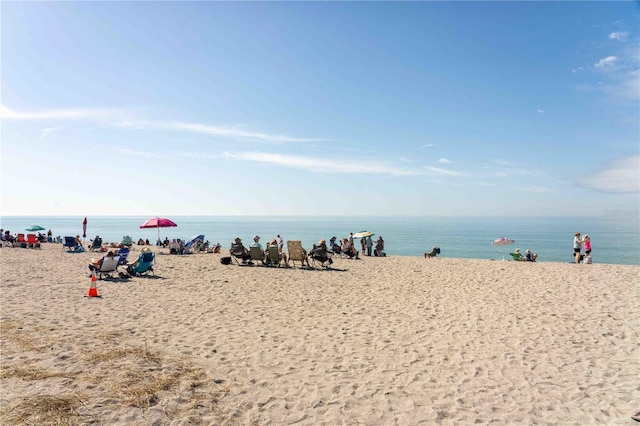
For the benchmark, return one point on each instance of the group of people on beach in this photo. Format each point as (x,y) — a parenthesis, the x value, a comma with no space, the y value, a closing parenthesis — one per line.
(320,251)
(7,237)
(578,243)
(346,246)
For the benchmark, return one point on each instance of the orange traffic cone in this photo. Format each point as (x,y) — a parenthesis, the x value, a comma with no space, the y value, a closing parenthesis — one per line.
(93,290)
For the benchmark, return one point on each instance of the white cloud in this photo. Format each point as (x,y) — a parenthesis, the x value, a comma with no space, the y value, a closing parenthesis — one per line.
(120,118)
(429,145)
(619,35)
(577,70)
(622,176)
(606,63)
(322,165)
(224,131)
(440,171)
(444,161)
(540,111)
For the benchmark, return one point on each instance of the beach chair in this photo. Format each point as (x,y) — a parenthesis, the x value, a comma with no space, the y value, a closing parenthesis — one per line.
(297,253)
(96,244)
(320,257)
(145,264)
(123,253)
(32,241)
(257,254)
(238,255)
(517,256)
(433,253)
(274,257)
(108,266)
(70,244)
(21,240)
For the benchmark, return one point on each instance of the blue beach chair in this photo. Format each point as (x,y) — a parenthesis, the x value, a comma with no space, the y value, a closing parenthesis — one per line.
(124,253)
(145,264)
(72,247)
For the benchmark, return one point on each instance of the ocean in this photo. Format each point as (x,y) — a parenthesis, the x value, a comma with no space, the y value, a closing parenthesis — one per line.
(615,238)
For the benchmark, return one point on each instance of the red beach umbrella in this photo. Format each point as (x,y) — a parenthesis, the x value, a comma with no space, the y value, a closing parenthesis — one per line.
(84,228)
(158,222)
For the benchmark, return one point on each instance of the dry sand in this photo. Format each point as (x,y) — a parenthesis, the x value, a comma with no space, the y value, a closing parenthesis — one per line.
(376,341)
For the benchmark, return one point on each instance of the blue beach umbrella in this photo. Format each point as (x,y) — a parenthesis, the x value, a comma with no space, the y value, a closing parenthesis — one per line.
(191,241)
(34,228)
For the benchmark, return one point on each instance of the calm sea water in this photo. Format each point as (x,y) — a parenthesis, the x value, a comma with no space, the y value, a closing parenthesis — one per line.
(614,239)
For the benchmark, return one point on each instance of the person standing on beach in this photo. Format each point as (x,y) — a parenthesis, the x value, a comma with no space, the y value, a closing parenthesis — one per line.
(363,245)
(351,239)
(586,241)
(369,245)
(577,247)
(280,242)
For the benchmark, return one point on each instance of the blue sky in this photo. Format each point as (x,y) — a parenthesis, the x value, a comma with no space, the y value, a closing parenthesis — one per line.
(345,108)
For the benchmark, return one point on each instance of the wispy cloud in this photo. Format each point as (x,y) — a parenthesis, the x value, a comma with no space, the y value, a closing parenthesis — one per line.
(124,119)
(221,131)
(577,70)
(441,171)
(322,165)
(621,176)
(540,111)
(619,35)
(429,145)
(444,161)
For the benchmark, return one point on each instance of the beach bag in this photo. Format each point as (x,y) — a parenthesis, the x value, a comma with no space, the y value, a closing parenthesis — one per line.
(437,250)
(587,259)
(225,260)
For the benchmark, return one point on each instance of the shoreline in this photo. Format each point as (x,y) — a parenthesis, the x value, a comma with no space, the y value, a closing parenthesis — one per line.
(397,339)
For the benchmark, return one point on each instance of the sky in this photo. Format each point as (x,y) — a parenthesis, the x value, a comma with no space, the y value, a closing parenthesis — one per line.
(320,108)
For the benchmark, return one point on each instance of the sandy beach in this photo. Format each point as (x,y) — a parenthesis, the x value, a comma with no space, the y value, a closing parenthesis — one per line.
(375,341)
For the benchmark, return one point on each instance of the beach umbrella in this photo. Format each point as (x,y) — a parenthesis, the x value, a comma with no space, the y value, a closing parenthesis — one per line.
(503,241)
(34,228)
(363,234)
(84,228)
(158,222)
(191,241)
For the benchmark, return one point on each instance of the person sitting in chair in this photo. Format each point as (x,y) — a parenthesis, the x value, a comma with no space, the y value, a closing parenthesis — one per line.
(348,249)
(281,256)
(530,257)
(516,255)
(334,245)
(256,242)
(239,251)
(320,253)
(131,265)
(94,265)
